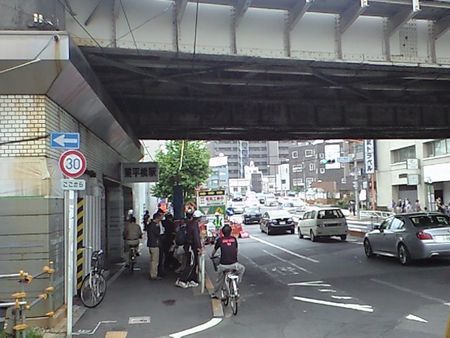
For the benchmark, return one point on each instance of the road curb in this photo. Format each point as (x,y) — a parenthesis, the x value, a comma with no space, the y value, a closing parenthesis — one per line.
(216,304)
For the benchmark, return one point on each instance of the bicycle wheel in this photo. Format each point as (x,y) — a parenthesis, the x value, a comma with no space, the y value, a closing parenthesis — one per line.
(131,260)
(233,297)
(93,290)
(224,297)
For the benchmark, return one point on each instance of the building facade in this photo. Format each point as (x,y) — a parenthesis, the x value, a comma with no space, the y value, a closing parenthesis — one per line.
(266,155)
(413,169)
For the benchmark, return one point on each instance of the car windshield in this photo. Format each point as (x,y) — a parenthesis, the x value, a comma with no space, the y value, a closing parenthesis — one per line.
(430,221)
(279,214)
(332,213)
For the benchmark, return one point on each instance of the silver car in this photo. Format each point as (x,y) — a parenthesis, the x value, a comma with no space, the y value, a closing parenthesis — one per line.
(410,236)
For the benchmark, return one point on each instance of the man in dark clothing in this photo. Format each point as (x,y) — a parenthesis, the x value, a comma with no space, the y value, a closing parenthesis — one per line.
(167,241)
(193,248)
(153,243)
(228,246)
(146,219)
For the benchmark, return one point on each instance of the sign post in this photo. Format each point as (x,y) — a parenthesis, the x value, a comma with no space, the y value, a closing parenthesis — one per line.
(72,164)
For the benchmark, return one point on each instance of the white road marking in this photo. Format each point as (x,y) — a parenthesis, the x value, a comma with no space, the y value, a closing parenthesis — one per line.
(414,292)
(327,290)
(286,261)
(342,297)
(415,318)
(357,307)
(92,332)
(211,323)
(311,283)
(285,250)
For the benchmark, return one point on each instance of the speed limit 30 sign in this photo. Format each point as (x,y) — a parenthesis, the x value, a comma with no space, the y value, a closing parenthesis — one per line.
(72,163)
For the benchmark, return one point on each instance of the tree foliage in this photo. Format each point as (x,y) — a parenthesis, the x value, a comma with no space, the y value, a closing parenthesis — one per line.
(194,169)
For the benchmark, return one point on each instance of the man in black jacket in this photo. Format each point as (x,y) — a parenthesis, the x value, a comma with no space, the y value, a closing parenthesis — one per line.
(153,243)
(193,248)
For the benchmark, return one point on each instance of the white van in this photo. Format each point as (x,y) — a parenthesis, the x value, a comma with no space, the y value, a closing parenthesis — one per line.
(323,222)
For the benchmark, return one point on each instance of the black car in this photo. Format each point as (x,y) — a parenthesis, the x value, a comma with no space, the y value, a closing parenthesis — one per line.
(277,221)
(252,215)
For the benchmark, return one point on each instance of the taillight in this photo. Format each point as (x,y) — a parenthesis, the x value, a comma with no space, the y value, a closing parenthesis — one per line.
(423,235)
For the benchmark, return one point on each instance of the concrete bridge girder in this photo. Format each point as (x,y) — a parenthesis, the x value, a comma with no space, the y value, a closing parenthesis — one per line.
(240,28)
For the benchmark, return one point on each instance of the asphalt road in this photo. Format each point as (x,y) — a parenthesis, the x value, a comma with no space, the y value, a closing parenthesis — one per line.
(299,289)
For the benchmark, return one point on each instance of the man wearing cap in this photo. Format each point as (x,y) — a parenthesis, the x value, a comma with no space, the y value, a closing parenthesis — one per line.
(189,277)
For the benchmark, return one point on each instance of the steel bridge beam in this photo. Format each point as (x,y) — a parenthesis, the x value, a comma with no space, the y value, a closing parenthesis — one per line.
(350,15)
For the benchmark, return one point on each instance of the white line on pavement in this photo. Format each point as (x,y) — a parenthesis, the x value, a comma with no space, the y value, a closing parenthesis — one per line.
(286,261)
(311,283)
(285,250)
(211,323)
(342,297)
(357,307)
(414,292)
(415,318)
(327,290)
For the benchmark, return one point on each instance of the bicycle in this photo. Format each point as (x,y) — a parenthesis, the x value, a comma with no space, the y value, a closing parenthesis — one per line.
(230,290)
(93,287)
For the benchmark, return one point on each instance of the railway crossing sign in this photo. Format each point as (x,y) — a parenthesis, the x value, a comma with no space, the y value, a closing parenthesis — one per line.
(72,163)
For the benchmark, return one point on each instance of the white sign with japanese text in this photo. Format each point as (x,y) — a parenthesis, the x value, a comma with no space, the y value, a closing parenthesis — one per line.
(369,156)
(139,172)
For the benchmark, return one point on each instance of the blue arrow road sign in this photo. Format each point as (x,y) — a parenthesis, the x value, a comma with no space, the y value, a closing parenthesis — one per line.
(65,140)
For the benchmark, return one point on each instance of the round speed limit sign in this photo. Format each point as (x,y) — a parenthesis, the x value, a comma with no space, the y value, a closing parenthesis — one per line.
(72,163)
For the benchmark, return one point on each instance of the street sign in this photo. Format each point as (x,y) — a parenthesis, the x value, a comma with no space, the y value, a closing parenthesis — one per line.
(72,163)
(70,184)
(65,140)
(344,159)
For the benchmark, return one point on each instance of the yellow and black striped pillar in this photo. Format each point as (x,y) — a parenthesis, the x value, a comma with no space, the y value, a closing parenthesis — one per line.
(80,240)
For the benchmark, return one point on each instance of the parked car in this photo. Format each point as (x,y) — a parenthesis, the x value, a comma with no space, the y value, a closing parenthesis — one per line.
(252,215)
(277,220)
(322,222)
(297,214)
(410,236)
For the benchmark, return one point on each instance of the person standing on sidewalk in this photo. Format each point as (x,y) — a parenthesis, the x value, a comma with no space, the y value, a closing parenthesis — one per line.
(193,248)
(153,240)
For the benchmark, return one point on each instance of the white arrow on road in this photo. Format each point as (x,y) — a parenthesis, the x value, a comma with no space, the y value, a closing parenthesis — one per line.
(357,307)
(62,141)
(311,283)
(415,318)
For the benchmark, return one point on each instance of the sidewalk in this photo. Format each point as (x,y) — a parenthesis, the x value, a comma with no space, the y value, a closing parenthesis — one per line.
(157,308)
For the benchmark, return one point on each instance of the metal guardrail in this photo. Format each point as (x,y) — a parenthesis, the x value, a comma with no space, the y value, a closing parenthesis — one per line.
(15,319)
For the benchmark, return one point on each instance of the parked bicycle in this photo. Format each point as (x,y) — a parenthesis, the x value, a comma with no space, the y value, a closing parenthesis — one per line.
(230,289)
(93,288)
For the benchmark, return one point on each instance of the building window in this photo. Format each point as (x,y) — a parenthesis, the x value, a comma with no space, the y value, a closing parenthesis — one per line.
(322,170)
(311,167)
(309,181)
(295,154)
(401,155)
(438,148)
(321,155)
(344,180)
(308,153)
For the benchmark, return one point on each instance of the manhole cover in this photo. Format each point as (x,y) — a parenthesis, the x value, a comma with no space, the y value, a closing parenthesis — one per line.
(139,320)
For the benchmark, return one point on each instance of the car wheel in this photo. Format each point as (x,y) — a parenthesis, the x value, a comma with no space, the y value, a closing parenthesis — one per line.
(343,237)
(368,249)
(312,236)
(403,255)
(300,235)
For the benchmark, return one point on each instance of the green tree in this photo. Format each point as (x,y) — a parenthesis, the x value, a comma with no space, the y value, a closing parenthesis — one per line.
(193,158)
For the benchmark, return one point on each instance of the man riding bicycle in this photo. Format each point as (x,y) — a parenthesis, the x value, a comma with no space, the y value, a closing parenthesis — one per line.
(228,259)
(131,235)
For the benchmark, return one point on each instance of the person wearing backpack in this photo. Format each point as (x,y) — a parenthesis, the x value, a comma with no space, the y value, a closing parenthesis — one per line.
(192,247)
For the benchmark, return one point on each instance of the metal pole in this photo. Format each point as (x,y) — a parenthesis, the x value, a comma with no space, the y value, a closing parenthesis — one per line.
(202,271)
(372,182)
(70,260)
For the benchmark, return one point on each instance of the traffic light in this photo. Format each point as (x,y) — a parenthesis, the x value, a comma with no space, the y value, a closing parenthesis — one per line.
(331,161)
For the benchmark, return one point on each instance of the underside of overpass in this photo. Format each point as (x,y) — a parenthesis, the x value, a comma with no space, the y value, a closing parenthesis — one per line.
(177,95)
